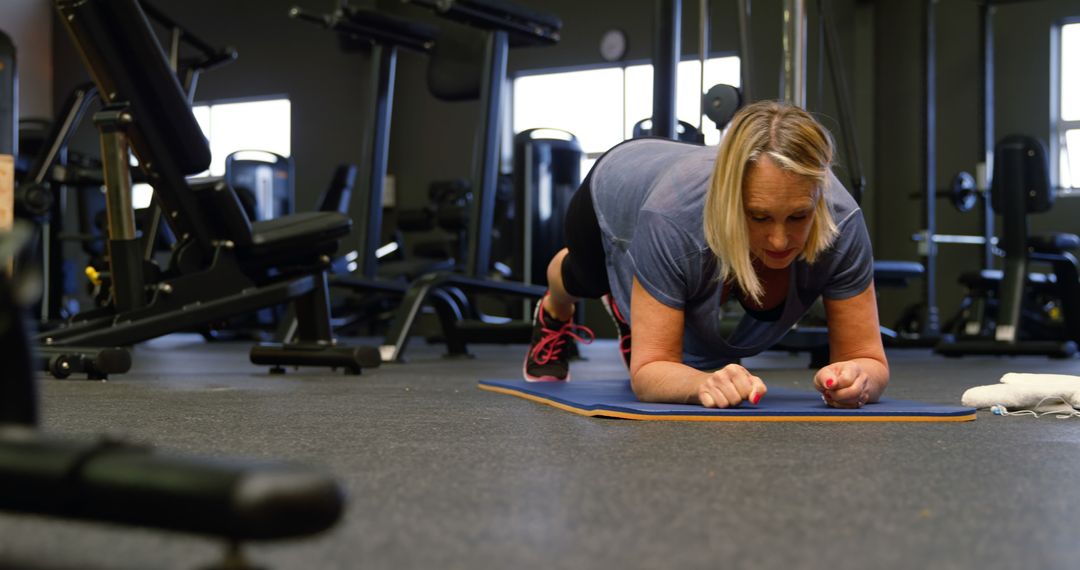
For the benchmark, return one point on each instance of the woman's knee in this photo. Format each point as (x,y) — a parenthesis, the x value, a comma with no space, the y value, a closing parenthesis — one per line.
(555,271)
(581,278)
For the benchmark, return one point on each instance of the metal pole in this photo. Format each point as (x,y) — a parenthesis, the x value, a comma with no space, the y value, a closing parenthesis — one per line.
(486,161)
(793,85)
(931,325)
(384,59)
(745,60)
(125,255)
(703,56)
(843,98)
(744,50)
(666,41)
(984,169)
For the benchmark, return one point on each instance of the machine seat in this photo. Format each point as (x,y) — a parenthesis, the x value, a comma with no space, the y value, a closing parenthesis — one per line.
(896,273)
(307,230)
(1056,242)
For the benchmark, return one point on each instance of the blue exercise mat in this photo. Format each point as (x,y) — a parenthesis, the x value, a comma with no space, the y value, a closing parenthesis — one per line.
(614,399)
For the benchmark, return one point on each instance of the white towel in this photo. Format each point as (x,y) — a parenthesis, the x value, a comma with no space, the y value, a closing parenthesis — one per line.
(1025,391)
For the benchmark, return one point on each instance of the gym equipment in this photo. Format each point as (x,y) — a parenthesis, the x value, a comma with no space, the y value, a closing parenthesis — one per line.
(49,174)
(922,322)
(958,194)
(703,55)
(447,208)
(615,399)
(667,33)
(793,68)
(51,171)
(667,39)
(222,264)
(684,131)
(745,53)
(382,35)
(963,193)
(109,480)
(96,363)
(453,202)
(377,282)
(268,176)
(720,103)
(1007,310)
(547,172)
(189,69)
(451,76)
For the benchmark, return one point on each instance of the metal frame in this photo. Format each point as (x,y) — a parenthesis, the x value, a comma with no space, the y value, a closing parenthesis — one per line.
(667,37)
(449,292)
(385,35)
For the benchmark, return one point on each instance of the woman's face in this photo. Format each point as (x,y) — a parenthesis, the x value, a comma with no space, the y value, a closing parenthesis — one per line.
(779,211)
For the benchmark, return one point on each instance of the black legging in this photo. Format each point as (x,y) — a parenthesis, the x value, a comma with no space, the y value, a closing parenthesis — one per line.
(584,270)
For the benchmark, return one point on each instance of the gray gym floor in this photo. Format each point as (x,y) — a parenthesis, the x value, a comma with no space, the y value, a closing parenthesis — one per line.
(442,475)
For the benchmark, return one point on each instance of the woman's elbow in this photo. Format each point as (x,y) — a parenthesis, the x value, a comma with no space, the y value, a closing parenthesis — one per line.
(644,388)
(640,386)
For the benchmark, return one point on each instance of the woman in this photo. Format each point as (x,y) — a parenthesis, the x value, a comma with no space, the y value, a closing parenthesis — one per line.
(671,231)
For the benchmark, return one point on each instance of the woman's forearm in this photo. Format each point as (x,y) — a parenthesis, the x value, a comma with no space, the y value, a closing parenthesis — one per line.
(669,382)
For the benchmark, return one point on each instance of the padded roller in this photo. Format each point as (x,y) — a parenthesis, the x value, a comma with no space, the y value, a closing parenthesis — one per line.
(1056,242)
(135,485)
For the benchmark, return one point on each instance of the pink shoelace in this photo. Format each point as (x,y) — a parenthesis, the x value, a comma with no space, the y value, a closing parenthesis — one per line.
(624,345)
(624,340)
(554,340)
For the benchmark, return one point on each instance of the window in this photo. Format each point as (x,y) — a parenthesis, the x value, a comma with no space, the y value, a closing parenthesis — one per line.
(246,125)
(1068,124)
(600,106)
(263,124)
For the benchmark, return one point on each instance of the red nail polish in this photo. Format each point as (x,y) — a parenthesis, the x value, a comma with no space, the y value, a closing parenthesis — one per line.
(829,383)
(755,399)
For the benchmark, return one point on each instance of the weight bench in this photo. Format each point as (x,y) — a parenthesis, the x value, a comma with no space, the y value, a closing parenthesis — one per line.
(222,265)
(890,273)
(112,481)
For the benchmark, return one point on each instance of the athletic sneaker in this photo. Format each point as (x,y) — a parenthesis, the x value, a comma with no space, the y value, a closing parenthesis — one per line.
(622,326)
(548,357)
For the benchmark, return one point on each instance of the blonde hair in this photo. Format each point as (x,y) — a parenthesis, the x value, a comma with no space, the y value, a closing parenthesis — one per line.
(796,143)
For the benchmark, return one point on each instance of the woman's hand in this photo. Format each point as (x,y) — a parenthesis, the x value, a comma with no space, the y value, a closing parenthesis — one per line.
(843,384)
(729,386)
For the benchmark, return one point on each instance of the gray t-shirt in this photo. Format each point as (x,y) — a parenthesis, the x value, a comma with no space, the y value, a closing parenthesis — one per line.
(649,197)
